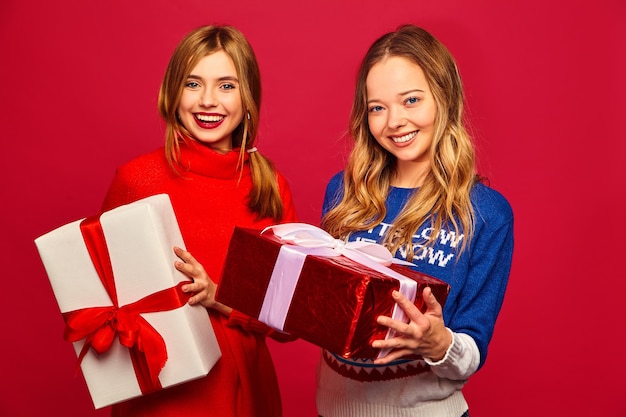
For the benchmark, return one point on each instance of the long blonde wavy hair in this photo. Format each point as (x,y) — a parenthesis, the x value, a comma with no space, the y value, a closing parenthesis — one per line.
(264,197)
(443,199)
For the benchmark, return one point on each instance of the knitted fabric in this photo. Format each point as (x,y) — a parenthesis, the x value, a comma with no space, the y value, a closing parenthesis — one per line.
(478,277)
(209,200)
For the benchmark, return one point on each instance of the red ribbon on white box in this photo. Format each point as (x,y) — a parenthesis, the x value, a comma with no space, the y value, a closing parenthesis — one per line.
(301,240)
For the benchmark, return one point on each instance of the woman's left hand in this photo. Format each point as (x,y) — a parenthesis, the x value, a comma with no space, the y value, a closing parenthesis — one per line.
(202,285)
(425,334)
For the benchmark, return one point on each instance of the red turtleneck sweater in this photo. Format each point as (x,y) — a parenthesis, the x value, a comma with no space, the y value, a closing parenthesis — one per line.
(209,200)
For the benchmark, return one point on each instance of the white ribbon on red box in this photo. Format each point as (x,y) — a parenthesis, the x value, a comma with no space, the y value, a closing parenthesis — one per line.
(301,240)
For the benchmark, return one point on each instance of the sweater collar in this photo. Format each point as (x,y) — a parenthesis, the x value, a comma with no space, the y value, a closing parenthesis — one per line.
(201,159)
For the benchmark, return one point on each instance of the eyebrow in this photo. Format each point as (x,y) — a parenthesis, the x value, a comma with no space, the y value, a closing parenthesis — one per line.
(224,78)
(416,90)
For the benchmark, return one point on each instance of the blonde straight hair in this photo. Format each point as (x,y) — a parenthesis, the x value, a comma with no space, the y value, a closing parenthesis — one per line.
(264,197)
(444,197)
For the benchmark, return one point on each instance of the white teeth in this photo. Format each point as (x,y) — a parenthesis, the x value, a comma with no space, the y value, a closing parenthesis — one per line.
(404,138)
(204,118)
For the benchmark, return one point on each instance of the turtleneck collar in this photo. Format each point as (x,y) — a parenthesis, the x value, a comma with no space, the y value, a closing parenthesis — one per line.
(201,159)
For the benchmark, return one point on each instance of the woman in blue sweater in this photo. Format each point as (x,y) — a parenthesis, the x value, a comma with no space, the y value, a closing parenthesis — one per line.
(411,184)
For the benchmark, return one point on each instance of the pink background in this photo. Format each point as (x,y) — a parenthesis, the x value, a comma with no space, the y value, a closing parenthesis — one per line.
(545,85)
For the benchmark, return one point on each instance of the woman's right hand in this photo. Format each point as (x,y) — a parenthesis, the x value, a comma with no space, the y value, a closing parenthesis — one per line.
(425,334)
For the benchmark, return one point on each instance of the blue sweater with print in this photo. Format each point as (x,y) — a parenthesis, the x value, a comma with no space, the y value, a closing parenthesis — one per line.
(477,276)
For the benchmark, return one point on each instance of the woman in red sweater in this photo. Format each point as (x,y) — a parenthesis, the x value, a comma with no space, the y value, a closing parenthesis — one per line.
(216,179)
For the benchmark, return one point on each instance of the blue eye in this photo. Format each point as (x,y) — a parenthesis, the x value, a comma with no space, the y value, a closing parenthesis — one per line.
(192,84)
(227,86)
(411,100)
(375,109)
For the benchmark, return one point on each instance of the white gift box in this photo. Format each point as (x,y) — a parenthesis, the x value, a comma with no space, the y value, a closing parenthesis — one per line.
(140,238)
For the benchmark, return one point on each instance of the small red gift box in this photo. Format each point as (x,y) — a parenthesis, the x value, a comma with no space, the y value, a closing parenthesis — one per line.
(329,300)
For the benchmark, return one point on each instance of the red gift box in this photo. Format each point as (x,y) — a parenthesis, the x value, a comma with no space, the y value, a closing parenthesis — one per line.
(331,301)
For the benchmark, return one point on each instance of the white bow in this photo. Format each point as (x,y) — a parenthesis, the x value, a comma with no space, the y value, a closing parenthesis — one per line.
(309,236)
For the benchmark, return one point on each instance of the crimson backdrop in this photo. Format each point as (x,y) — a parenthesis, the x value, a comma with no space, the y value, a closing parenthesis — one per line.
(545,85)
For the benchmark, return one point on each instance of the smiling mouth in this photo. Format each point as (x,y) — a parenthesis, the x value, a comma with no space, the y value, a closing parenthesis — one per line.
(208,119)
(404,138)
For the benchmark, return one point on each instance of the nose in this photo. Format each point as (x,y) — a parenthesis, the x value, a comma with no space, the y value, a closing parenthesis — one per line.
(396,118)
(207,98)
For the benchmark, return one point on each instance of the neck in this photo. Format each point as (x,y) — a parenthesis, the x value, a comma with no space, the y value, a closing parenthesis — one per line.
(410,174)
